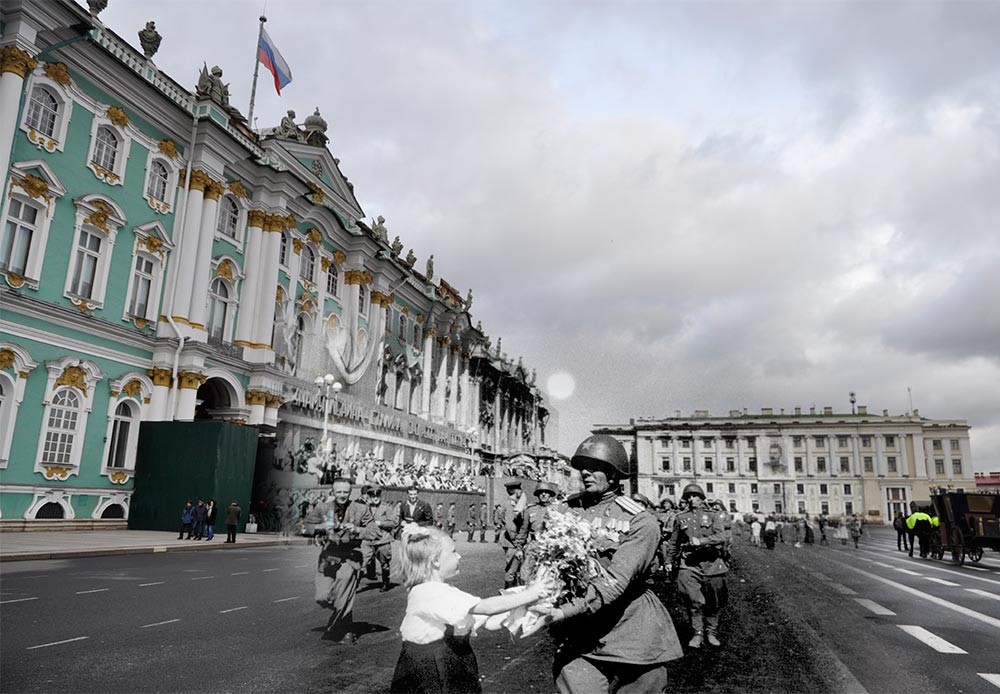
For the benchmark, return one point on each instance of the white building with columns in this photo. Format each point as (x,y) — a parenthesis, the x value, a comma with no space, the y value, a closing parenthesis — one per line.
(162,261)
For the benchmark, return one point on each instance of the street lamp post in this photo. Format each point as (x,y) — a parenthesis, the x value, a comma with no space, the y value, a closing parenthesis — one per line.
(324,384)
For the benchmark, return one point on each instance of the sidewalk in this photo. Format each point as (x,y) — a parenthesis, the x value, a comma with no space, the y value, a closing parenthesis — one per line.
(19,546)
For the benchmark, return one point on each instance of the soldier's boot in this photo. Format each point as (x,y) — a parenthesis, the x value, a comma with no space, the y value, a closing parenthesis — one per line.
(696,625)
(711,631)
(385,581)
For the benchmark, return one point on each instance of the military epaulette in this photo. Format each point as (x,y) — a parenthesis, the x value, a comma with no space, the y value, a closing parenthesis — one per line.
(632,507)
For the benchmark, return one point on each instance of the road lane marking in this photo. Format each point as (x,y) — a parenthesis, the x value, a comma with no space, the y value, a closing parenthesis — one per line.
(941,581)
(155,583)
(4,602)
(932,640)
(984,593)
(240,573)
(156,624)
(991,678)
(202,578)
(287,599)
(882,564)
(874,607)
(986,619)
(930,566)
(906,571)
(56,643)
(234,609)
(266,570)
(842,589)
(95,590)
(976,568)
(302,566)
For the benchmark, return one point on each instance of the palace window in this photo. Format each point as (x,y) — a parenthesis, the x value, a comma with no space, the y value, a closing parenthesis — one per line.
(939,466)
(402,326)
(956,466)
(732,506)
(43,110)
(22,222)
(800,489)
(798,463)
(307,270)
(824,507)
(218,309)
(685,443)
(755,505)
(797,441)
(849,508)
(362,300)
(85,264)
(819,441)
(159,181)
(730,443)
(821,464)
(777,488)
(753,488)
(105,148)
(283,250)
(732,487)
(708,464)
(954,444)
(665,464)
(936,444)
(845,464)
(866,441)
(890,461)
(388,322)
(730,465)
(823,489)
(707,442)
(847,490)
(686,463)
(61,428)
(709,488)
(123,421)
(802,506)
(869,463)
(229,218)
(753,464)
(890,441)
(331,280)
(841,442)
(142,285)
(416,335)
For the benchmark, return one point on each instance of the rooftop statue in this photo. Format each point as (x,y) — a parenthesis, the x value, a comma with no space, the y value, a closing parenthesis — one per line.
(149,39)
(397,247)
(378,228)
(499,342)
(468,300)
(96,6)
(429,274)
(210,85)
(410,259)
(288,130)
(479,326)
(316,130)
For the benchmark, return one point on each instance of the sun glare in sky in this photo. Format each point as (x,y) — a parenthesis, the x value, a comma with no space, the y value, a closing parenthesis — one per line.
(560,385)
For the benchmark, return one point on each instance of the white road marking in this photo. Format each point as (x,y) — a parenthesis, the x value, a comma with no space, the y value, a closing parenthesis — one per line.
(941,581)
(906,571)
(287,599)
(202,578)
(157,550)
(95,590)
(56,643)
(991,678)
(156,624)
(874,607)
(984,593)
(302,566)
(932,640)
(4,602)
(266,570)
(931,566)
(234,609)
(842,589)
(240,573)
(878,563)
(976,568)
(155,583)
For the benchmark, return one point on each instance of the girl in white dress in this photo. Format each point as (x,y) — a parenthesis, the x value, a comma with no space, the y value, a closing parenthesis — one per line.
(439,619)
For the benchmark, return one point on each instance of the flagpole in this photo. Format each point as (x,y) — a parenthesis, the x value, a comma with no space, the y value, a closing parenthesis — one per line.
(256,69)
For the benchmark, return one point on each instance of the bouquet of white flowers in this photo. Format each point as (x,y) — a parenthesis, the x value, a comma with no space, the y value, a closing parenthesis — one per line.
(564,555)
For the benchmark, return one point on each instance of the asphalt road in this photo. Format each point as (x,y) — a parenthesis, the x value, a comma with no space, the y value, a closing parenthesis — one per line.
(899,624)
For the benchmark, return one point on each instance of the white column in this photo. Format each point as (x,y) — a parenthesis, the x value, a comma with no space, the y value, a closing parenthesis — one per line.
(188,383)
(440,387)
(203,262)
(270,249)
(428,372)
(465,394)
(456,358)
(251,281)
(184,263)
(497,422)
(161,394)
(14,66)
(271,405)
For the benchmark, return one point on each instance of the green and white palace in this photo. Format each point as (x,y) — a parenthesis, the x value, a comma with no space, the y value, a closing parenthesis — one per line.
(175,286)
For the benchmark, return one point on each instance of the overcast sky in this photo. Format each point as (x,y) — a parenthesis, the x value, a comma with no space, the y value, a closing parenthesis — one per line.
(701,205)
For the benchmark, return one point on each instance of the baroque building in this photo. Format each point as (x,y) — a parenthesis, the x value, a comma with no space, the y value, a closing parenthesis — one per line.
(800,462)
(160,261)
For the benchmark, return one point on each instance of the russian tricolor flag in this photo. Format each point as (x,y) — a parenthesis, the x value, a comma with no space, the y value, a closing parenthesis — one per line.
(268,54)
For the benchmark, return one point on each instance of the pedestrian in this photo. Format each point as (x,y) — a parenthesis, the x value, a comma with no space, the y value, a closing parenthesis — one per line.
(415,509)
(436,655)
(471,522)
(385,520)
(696,558)
(484,521)
(200,517)
(770,532)
(439,516)
(899,524)
(452,520)
(338,571)
(856,531)
(619,636)
(187,518)
(497,523)
(666,517)
(822,530)
(367,549)
(512,541)
(919,523)
(211,511)
(809,535)
(232,519)
(841,532)
(755,530)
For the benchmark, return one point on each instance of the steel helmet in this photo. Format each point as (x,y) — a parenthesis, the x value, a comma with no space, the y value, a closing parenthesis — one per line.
(546,487)
(692,490)
(602,452)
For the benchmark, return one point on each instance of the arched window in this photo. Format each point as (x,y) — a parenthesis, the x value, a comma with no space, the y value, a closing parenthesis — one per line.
(118,450)
(416,335)
(229,218)
(218,307)
(159,178)
(22,223)
(42,111)
(4,398)
(50,510)
(362,300)
(106,148)
(388,322)
(283,251)
(331,280)
(307,271)
(142,285)
(88,254)
(300,338)
(402,326)
(61,428)
(113,511)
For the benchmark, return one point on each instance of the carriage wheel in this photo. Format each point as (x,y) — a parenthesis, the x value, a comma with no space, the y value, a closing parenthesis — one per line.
(957,547)
(975,553)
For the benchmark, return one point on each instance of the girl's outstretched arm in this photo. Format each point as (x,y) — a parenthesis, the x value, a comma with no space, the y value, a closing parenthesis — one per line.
(498,604)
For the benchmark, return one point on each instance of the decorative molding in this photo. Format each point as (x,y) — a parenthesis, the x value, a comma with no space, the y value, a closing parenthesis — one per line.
(55,472)
(272,400)
(34,186)
(307,301)
(199,180)
(6,358)
(72,376)
(99,217)
(315,193)
(430,331)
(168,147)
(160,377)
(119,477)
(325,263)
(315,236)
(133,388)
(13,59)
(117,116)
(239,190)
(297,245)
(357,277)
(420,318)
(190,380)
(279,294)
(225,269)
(214,190)
(57,72)
(406,310)
(15,280)
(256,218)
(256,397)
(443,341)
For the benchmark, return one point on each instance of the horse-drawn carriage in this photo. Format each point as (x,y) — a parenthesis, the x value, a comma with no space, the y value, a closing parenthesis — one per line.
(967,523)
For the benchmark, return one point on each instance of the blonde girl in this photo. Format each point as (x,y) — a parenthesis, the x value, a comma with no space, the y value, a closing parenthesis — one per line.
(439,619)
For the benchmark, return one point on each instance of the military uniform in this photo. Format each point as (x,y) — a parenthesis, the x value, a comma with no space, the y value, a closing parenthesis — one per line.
(534,522)
(701,570)
(512,543)
(619,635)
(338,572)
(385,520)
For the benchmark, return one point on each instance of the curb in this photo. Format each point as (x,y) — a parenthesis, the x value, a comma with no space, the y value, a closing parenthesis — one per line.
(148,549)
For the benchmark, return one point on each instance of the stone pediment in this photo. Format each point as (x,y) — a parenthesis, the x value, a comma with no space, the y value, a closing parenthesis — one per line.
(320,171)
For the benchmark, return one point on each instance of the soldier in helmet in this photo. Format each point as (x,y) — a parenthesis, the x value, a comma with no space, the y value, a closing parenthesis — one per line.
(534,521)
(511,538)
(619,636)
(696,557)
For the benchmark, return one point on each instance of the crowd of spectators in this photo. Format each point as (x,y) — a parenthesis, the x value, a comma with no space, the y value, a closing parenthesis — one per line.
(367,469)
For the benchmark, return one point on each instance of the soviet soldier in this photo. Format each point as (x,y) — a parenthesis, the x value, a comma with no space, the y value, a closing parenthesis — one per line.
(339,570)
(724,517)
(696,559)
(534,522)
(619,636)
(511,538)
(385,520)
